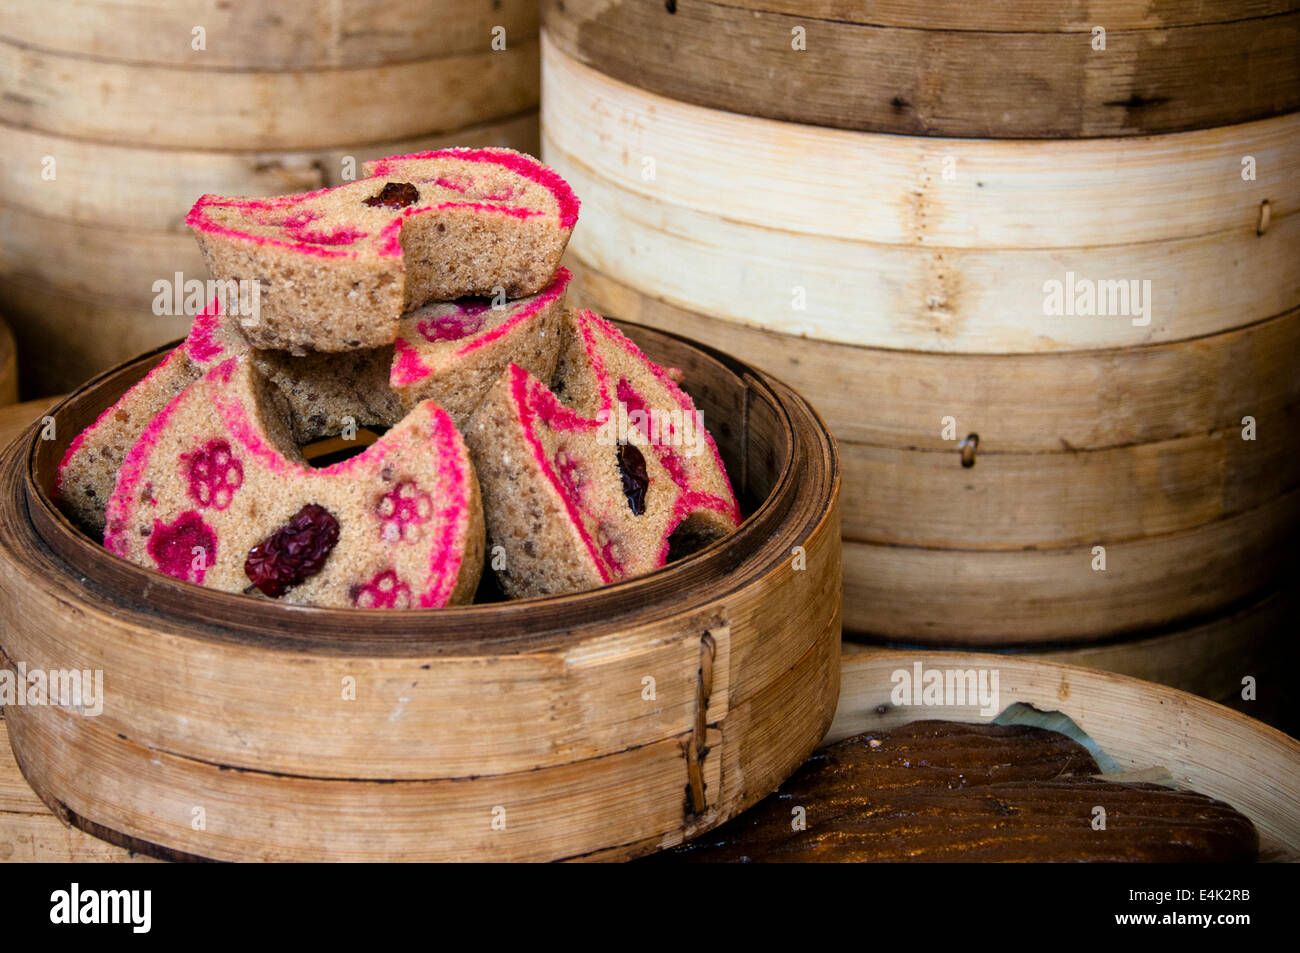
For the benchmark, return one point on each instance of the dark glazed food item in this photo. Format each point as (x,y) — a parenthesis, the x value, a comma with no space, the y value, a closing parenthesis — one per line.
(943,791)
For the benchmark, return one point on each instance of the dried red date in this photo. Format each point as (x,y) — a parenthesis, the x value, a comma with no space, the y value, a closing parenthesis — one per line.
(293,552)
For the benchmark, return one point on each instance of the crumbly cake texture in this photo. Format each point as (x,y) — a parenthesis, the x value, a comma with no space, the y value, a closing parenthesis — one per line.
(560,490)
(944,791)
(329,392)
(453,352)
(337,267)
(217,472)
(86,475)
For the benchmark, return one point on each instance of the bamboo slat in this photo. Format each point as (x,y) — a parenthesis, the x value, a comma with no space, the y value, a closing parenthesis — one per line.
(962,300)
(1005,597)
(274,35)
(908,190)
(1013,84)
(1017,403)
(163,107)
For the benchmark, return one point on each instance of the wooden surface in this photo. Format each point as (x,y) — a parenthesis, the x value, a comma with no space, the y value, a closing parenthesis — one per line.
(1017,403)
(8,366)
(1013,83)
(16,418)
(151,190)
(268,35)
(168,108)
(1205,746)
(549,716)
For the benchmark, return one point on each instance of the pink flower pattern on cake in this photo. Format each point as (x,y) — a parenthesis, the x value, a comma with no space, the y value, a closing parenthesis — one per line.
(214,474)
(384,591)
(401,511)
(184,548)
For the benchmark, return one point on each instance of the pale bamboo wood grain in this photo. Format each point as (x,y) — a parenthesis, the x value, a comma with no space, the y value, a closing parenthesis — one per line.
(966,300)
(1017,403)
(1021,15)
(241,110)
(1000,598)
(1010,84)
(64,339)
(909,190)
(153,189)
(268,35)
(1206,747)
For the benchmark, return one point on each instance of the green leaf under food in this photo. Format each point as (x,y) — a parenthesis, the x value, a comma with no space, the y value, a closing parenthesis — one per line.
(1021,713)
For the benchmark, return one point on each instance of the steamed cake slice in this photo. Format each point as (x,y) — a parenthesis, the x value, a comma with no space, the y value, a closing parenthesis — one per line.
(453,352)
(578,501)
(217,474)
(337,267)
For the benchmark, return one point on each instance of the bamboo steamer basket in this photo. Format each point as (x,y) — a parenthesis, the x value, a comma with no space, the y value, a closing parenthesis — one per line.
(1204,746)
(908,305)
(137,123)
(923,75)
(534,708)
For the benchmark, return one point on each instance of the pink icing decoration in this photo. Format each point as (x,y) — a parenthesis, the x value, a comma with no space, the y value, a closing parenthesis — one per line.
(172,546)
(201,344)
(214,474)
(401,510)
(527,392)
(407,367)
(467,319)
(518,163)
(384,591)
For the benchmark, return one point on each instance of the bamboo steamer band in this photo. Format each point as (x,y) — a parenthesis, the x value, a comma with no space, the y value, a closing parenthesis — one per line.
(8,366)
(168,108)
(1189,739)
(932,299)
(274,35)
(908,190)
(1018,403)
(1204,746)
(1070,16)
(153,189)
(1021,597)
(940,82)
(1207,658)
(1010,501)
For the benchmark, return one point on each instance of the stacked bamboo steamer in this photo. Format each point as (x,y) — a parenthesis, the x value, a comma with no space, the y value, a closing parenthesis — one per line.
(896,208)
(115,115)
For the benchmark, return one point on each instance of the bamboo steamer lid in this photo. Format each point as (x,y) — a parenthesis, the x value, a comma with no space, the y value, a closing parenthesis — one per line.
(1004,81)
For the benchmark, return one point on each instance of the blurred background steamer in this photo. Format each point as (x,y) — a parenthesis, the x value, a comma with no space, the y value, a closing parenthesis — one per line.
(115,115)
(1038,265)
